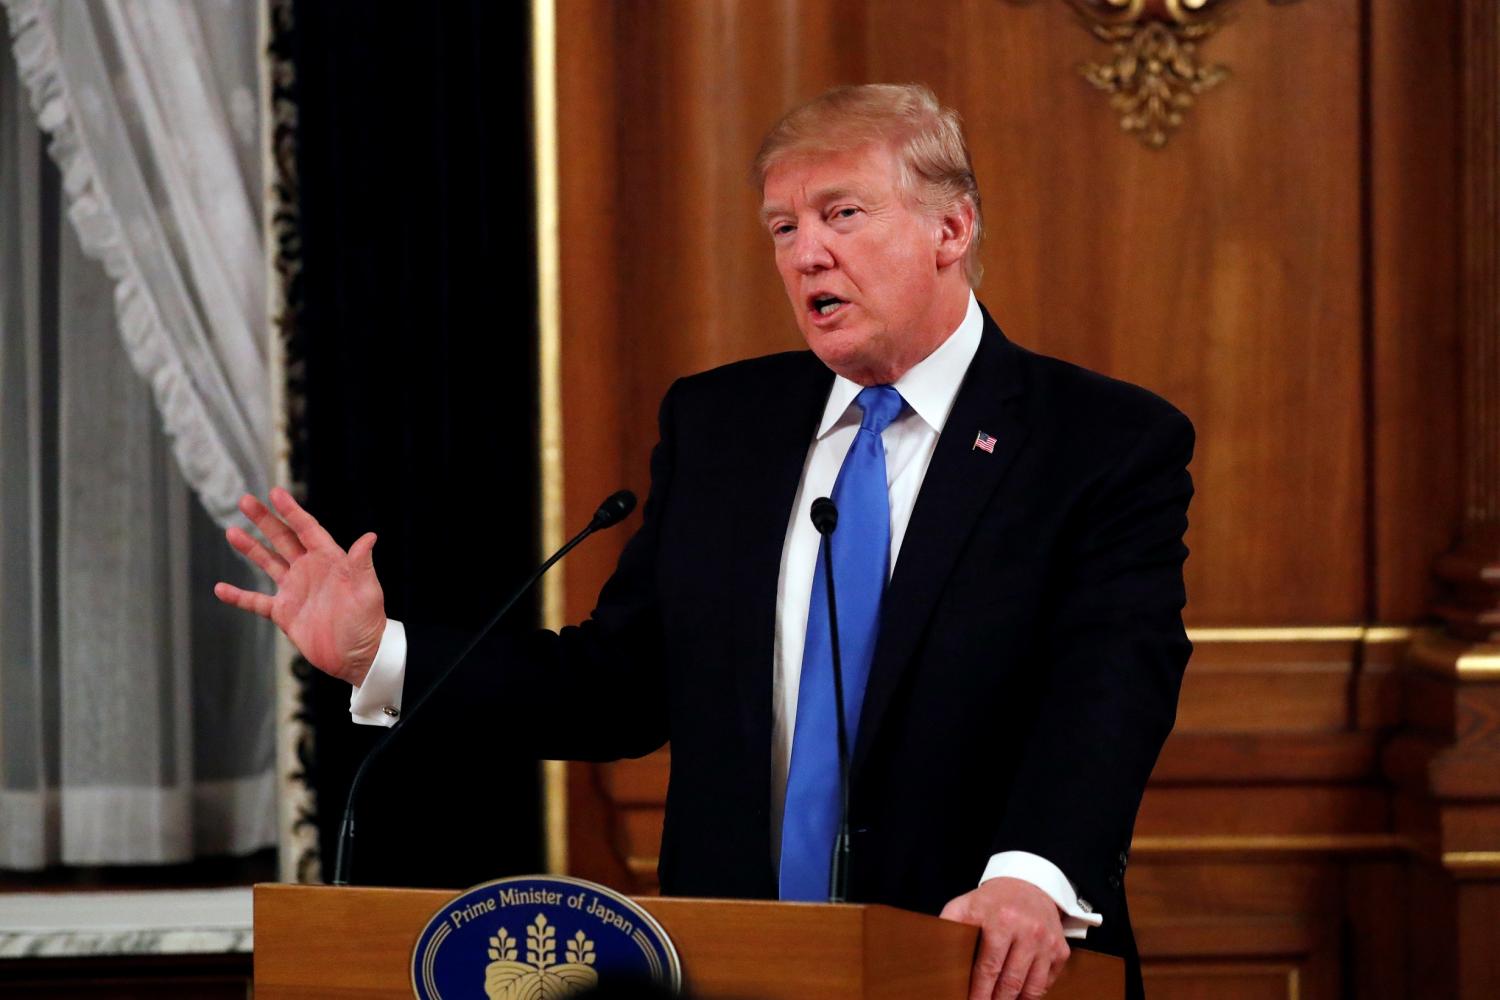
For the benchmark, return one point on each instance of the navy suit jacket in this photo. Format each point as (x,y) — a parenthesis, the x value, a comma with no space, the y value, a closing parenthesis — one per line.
(1028,664)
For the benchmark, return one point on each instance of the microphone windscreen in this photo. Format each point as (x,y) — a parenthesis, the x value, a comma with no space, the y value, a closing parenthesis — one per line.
(614,509)
(825,515)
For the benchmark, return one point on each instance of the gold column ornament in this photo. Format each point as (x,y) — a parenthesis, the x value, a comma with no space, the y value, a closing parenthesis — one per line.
(1154,73)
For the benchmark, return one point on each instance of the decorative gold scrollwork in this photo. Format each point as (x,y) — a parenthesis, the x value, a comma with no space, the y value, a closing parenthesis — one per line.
(1154,73)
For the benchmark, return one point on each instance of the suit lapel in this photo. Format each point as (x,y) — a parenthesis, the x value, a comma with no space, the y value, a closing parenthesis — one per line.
(786,418)
(955,491)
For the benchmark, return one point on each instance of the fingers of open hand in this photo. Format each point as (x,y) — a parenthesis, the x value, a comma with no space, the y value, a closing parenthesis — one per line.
(247,600)
(274,566)
(309,532)
(278,534)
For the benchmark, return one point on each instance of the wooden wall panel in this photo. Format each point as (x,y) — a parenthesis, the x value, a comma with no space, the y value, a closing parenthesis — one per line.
(1256,687)
(666,270)
(1210,917)
(1223,272)
(596,384)
(593,360)
(1242,981)
(1413,178)
(1283,271)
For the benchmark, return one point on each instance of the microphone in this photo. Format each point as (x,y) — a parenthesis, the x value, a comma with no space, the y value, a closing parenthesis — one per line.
(825,517)
(612,511)
(615,508)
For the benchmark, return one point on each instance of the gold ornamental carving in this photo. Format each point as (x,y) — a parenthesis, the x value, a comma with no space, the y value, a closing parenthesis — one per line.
(1155,71)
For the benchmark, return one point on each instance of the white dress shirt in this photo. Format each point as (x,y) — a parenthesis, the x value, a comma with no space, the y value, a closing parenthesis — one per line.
(929,390)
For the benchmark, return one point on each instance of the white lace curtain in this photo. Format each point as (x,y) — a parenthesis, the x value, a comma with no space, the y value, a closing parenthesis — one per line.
(136,713)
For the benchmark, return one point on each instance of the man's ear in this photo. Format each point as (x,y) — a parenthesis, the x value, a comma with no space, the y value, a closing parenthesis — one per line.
(955,232)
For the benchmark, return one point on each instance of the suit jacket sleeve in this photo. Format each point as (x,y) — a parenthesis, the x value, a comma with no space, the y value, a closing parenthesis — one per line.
(594,691)
(1116,649)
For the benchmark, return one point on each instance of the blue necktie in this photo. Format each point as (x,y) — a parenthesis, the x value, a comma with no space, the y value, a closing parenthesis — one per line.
(861,557)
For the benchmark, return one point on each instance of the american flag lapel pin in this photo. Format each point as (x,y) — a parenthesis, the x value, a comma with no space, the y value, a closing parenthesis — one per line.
(985,443)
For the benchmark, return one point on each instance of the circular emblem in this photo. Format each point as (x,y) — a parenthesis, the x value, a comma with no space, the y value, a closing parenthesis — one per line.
(538,937)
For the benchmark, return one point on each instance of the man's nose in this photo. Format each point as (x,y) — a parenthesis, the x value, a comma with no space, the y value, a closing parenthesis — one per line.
(810,250)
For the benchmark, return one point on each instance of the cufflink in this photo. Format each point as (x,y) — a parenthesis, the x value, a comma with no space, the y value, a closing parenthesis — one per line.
(1085,905)
(392,711)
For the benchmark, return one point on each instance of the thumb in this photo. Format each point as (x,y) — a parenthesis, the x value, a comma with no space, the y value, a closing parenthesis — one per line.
(361,553)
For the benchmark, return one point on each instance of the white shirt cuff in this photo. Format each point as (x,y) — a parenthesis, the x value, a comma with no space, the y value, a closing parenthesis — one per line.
(377,702)
(1077,915)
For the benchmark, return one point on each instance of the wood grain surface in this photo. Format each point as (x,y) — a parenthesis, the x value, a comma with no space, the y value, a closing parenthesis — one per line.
(320,941)
(1286,270)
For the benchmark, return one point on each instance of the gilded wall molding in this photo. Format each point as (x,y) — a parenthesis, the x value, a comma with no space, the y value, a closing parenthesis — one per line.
(1457,658)
(1366,634)
(554,773)
(299,858)
(1177,846)
(1154,72)
(1472,862)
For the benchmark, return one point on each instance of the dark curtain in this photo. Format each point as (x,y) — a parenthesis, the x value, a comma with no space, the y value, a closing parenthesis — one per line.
(417,336)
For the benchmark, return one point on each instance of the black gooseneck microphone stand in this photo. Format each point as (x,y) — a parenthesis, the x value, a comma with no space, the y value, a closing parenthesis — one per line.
(611,512)
(825,517)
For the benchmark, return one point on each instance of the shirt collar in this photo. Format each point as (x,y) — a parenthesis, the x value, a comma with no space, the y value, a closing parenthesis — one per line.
(931,385)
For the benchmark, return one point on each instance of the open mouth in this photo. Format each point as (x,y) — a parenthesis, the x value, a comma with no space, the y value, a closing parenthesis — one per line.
(826,305)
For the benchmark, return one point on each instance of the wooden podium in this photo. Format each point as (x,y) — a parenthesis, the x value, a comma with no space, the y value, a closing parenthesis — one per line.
(326,943)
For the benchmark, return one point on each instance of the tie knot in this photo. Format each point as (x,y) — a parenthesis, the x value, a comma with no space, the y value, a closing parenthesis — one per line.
(881,404)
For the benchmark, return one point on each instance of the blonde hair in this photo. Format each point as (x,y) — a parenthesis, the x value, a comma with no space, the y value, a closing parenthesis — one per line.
(927,138)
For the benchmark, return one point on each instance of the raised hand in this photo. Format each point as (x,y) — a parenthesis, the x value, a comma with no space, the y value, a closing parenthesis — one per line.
(327,601)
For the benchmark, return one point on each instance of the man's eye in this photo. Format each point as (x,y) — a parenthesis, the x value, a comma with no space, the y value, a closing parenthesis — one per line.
(781,229)
(847,212)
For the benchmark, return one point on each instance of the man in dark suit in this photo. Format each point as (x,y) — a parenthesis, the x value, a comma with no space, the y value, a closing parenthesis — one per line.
(1008,560)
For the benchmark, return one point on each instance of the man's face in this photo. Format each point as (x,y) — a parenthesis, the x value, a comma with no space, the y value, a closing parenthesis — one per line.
(860,265)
